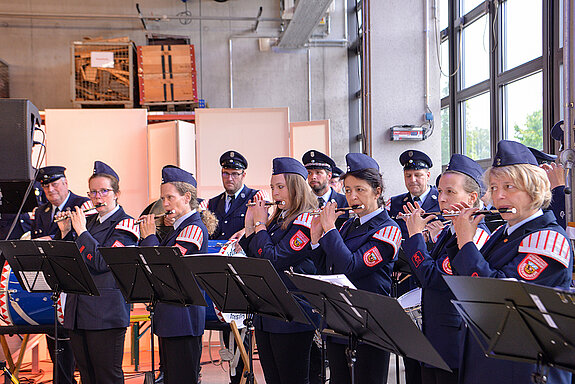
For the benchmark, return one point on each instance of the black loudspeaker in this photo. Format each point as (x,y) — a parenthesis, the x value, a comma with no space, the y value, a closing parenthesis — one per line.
(18,117)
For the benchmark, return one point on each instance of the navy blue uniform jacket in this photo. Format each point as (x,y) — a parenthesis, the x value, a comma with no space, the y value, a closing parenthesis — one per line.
(172,320)
(364,254)
(44,225)
(558,205)
(538,252)
(442,324)
(234,220)
(285,249)
(109,310)
(397,202)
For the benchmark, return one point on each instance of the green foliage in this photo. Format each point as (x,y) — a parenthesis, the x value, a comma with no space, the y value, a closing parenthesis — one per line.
(532,133)
(477,143)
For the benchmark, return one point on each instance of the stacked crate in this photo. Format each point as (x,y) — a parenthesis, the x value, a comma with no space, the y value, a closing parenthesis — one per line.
(103,74)
(167,74)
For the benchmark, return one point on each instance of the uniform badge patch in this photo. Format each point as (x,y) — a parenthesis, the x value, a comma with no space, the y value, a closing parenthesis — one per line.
(417,259)
(372,257)
(474,274)
(447,266)
(82,249)
(117,243)
(182,249)
(298,241)
(531,267)
(89,256)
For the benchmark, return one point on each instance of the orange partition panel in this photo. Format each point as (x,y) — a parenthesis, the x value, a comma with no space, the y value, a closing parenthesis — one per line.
(169,143)
(306,135)
(75,138)
(260,134)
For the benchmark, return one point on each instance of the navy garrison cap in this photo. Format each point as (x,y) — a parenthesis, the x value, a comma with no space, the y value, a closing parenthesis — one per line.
(101,167)
(542,157)
(316,160)
(413,159)
(557,131)
(49,174)
(359,162)
(463,164)
(512,152)
(171,173)
(336,172)
(288,165)
(233,160)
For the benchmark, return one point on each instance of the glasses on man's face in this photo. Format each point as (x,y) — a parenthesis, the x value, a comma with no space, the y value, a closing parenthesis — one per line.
(100,192)
(233,175)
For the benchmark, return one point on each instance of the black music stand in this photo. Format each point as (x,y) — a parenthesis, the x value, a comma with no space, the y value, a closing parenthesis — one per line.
(245,285)
(49,266)
(153,275)
(518,321)
(367,317)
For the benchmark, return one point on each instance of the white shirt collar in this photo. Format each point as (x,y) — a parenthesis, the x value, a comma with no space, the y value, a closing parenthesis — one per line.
(423,195)
(364,219)
(511,229)
(101,219)
(326,195)
(184,217)
(236,194)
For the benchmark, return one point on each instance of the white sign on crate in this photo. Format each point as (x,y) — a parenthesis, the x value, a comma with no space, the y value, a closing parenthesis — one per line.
(102,59)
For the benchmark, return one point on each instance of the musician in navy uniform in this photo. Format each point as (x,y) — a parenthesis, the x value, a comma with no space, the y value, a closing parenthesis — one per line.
(530,247)
(60,198)
(556,175)
(230,206)
(319,173)
(442,324)
(284,240)
(98,324)
(180,329)
(416,174)
(364,249)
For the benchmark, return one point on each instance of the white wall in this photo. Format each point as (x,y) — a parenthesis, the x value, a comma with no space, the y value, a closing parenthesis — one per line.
(398,87)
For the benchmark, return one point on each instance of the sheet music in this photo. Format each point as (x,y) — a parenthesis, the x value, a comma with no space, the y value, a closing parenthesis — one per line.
(35,281)
(340,279)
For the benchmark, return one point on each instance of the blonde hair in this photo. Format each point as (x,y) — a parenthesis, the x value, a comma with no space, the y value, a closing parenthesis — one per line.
(301,196)
(526,177)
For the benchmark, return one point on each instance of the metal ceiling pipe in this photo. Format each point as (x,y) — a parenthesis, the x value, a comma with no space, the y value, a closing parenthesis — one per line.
(568,155)
(79,16)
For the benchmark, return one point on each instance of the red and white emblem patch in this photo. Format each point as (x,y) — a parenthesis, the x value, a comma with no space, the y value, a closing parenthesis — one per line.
(417,259)
(117,243)
(447,266)
(181,248)
(298,241)
(372,257)
(531,267)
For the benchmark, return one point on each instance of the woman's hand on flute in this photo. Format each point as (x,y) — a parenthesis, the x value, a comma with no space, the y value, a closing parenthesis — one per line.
(414,220)
(465,224)
(78,219)
(316,230)
(328,215)
(147,225)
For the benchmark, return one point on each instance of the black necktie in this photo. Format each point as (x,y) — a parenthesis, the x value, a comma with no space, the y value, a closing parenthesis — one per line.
(417,199)
(56,210)
(321,202)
